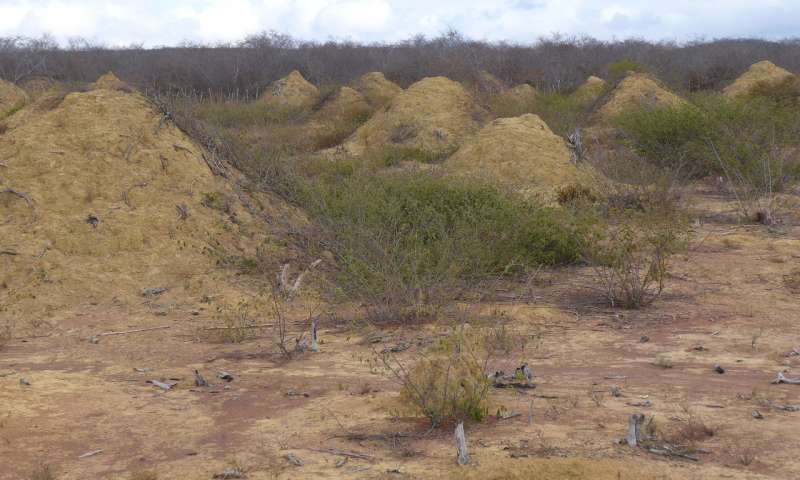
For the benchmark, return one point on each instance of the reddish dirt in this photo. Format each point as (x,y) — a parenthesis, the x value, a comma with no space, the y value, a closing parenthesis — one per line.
(726,295)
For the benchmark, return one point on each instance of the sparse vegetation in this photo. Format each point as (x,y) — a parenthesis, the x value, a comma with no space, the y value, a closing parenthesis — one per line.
(630,256)
(43,471)
(449,383)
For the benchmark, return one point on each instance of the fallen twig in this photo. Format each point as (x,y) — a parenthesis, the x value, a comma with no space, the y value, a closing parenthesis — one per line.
(342,453)
(260,325)
(139,330)
(25,197)
(90,454)
(781,378)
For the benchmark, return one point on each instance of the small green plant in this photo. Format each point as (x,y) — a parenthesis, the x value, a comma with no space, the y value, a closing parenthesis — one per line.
(563,113)
(449,383)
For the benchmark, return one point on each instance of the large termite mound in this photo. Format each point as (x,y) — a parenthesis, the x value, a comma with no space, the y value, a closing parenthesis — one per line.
(761,73)
(637,90)
(519,152)
(11,97)
(292,91)
(377,89)
(434,114)
(102,196)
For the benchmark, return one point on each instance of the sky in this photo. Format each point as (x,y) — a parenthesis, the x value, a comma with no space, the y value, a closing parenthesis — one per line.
(165,22)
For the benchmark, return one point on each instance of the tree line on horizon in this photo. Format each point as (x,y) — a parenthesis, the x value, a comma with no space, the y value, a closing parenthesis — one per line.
(556,63)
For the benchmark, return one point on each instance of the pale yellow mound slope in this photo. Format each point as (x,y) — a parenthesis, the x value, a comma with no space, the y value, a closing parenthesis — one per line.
(590,90)
(292,91)
(11,97)
(764,72)
(109,81)
(637,90)
(522,93)
(347,103)
(519,152)
(434,114)
(377,89)
(485,82)
(101,198)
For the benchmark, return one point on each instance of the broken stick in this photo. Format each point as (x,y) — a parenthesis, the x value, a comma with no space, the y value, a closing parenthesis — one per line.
(461,445)
(109,334)
(781,378)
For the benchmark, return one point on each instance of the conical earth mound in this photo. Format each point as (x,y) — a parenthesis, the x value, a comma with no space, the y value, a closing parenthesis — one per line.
(590,90)
(637,90)
(764,72)
(434,114)
(102,197)
(11,97)
(292,91)
(519,152)
(377,89)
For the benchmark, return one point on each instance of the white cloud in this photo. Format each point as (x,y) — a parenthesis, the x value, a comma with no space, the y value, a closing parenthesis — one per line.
(157,22)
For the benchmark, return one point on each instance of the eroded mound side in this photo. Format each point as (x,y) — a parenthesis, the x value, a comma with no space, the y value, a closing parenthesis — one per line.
(102,197)
(11,97)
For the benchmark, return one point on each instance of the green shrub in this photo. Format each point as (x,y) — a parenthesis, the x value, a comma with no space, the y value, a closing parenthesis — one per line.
(338,132)
(562,113)
(669,137)
(403,239)
(508,106)
(235,114)
(620,68)
(390,155)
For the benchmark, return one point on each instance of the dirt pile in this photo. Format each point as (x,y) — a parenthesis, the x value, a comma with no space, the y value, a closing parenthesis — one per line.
(347,103)
(590,90)
(636,90)
(522,93)
(434,114)
(377,89)
(486,83)
(292,91)
(11,97)
(519,152)
(109,81)
(102,197)
(760,73)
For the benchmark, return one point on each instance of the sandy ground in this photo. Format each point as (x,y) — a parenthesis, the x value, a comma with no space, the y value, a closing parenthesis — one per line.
(726,304)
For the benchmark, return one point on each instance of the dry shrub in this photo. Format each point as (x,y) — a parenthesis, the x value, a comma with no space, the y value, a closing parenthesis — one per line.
(43,471)
(237,323)
(144,475)
(630,256)
(448,383)
(792,281)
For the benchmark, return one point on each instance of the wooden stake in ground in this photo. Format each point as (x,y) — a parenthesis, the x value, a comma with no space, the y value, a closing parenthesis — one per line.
(461,445)
(634,429)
